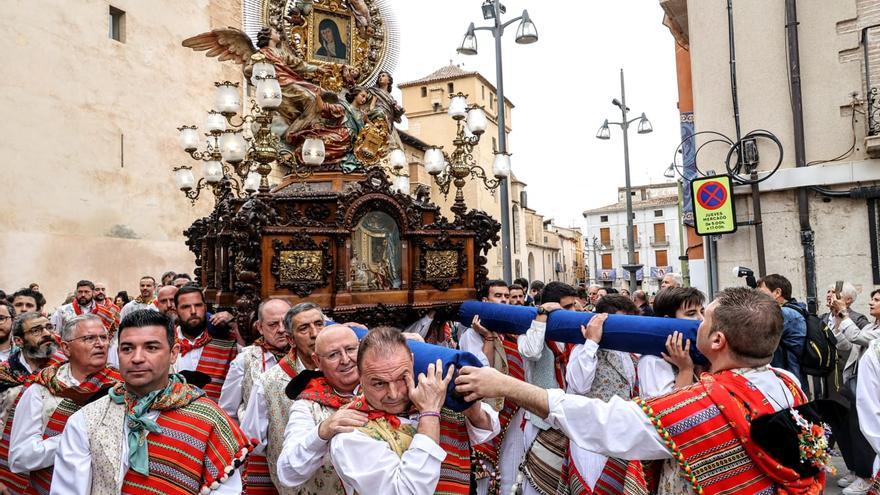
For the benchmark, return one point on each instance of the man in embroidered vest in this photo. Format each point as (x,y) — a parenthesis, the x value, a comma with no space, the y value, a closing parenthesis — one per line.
(144,300)
(706,427)
(601,374)
(201,349)
(498,462)
(268,407)
(153,433)
(244,371)
(34,345)
(84,303)
(57,392)
(299,431)
(545,363)
(395,452)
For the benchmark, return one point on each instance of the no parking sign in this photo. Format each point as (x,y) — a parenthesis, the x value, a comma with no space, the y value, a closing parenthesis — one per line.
(712,198)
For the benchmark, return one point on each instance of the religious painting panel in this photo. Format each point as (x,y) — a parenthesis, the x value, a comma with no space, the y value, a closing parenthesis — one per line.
(376,261)
(331,37)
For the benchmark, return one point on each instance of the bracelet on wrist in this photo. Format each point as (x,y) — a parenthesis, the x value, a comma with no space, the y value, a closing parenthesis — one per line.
(429,414)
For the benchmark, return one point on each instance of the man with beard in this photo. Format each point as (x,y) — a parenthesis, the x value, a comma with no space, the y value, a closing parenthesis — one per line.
(153,433)
(252,362)
(27,300)
(7,315)
(57,392)
(84,303)
(165,301)
(101,299)
(398,449)
(147,286)
(32,333)
(517,295)
(200,350)
(299,434)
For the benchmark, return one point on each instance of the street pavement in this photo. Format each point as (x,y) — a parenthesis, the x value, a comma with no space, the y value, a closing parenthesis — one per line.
(831,487)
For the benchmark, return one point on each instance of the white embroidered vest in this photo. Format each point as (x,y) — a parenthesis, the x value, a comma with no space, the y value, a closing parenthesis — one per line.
(252,364)
(104,424)
(325,481)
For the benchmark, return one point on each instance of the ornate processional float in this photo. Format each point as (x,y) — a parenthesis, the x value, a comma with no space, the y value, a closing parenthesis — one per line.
(341,228)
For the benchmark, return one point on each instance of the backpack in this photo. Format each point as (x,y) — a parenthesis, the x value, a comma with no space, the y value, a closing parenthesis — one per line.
(819,354)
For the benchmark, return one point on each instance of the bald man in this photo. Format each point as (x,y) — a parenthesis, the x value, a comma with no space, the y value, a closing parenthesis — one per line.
(269,411)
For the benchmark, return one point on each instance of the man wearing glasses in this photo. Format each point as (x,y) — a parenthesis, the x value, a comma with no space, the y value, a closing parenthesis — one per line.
(7,314)
(268,408)
(251,362)
(56,393)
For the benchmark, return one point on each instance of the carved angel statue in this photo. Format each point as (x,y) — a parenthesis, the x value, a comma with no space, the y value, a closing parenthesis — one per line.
(299,103)
(361,14)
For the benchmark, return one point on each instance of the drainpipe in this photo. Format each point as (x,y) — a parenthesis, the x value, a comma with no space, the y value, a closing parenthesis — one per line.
(797,114)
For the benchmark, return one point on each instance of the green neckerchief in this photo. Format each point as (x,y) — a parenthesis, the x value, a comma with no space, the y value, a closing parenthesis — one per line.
(176,394)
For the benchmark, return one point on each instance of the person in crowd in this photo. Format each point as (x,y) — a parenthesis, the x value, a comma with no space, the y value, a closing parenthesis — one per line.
(144,300)
(27,300)
(853,342)
(181,279)
(794,330)
(671,280)
(153,432)
(168,277)
(7,317)
(602,374)
(85,303)
(56,393)
(517,295)
(528,301)
(641,301)
(121,299)
(252,362)
(297,430)
(101,299)
(34,286)
(202,349)
(739,334)
(164,302)
(398,450)
(593,296)
(535,289)
(868,405)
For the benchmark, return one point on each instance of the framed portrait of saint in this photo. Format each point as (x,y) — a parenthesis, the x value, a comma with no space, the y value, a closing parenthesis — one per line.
(331,37)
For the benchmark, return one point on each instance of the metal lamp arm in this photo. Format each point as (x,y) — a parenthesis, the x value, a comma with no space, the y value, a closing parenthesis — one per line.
(478,172)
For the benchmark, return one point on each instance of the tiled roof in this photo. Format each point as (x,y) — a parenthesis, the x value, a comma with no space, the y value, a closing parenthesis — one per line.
(637,205)
(449,72)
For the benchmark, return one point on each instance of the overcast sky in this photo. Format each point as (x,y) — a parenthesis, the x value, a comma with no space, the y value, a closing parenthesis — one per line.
(562,88)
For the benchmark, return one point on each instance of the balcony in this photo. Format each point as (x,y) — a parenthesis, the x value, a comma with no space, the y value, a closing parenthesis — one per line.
(659,241)
(606,245)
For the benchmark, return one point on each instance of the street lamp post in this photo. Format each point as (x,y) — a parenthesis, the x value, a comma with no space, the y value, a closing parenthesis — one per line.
(605,133)
(525,33)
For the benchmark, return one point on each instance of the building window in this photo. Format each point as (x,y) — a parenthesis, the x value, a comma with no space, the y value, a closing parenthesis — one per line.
(607,262)
(605,236)
(545,240)
(450,87)
(660,257)
(603,218)
(494,144)
(636,234)
(491,101)
(874,236)
(634,215)
(424,92)
(636,258)
(117,24)
(660,233)
(483,92)
(658,213)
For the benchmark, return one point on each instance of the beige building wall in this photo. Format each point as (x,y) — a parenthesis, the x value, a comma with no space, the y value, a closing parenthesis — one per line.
(89,138)
(832,72)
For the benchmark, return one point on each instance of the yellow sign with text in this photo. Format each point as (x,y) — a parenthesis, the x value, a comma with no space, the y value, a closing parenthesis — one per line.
(712,199)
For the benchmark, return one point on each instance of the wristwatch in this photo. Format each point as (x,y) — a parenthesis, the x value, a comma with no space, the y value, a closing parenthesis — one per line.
(542,311)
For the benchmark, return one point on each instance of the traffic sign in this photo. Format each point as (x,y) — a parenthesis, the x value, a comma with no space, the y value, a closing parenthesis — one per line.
(712,199)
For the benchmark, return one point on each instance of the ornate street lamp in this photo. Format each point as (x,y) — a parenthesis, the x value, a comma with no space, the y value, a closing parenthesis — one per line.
(526,33)
(453,169)
(604,132)
(235,162)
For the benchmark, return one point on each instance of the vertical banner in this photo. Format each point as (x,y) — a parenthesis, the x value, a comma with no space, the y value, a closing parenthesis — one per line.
(689,166)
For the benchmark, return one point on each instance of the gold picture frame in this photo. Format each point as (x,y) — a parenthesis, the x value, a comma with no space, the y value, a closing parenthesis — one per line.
(331,37)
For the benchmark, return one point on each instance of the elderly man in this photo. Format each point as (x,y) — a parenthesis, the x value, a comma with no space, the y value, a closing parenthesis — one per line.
(397,452)
(200,350)
(84,303)
(267,407)
(57,392)
(245,370)
(147,286)
(34,344)
(740,331)
(671,280)
(152,433)
(165,301)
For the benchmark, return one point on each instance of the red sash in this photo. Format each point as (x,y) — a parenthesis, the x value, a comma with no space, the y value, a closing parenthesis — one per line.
(214,362)
(256,479)
(706,427)
(106,313)
(199,446)
(16,483)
